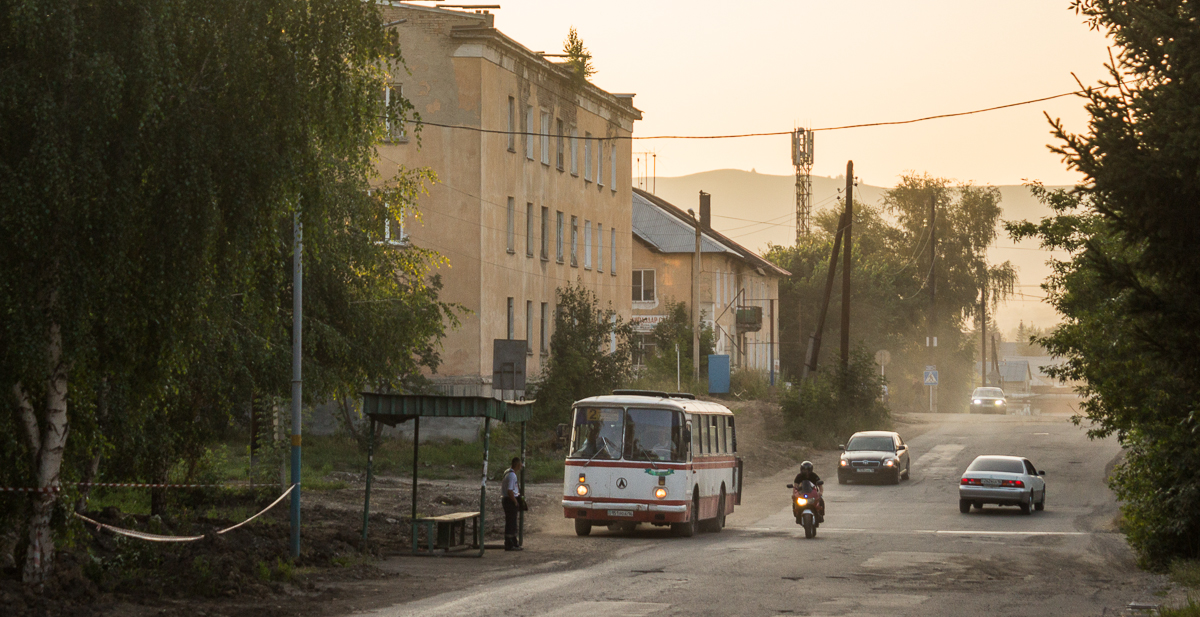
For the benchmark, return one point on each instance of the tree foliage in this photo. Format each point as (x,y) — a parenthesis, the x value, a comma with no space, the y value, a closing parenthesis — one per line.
(152,156)
(579,59)
(837,403)
(891,284)
(582,361)
(677,329)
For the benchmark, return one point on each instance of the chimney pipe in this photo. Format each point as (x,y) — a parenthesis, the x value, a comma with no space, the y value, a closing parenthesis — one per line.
(705,211)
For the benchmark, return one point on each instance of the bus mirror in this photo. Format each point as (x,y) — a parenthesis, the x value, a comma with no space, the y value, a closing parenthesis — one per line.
(687,435)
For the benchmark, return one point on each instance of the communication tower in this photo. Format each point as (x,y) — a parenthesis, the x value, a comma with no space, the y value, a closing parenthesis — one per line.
(802,159)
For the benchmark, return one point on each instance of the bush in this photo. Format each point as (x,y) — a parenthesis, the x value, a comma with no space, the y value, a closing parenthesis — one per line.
(750,384)
(833,405)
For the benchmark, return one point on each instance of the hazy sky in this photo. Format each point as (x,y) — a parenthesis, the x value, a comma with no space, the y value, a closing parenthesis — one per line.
(703,68)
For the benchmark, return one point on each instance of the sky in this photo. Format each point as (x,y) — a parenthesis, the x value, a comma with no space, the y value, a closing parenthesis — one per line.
(711,68)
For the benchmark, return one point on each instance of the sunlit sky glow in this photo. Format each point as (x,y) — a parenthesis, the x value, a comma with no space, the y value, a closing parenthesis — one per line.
(703,68)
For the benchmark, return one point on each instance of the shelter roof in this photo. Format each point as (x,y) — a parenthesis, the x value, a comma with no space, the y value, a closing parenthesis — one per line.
(395,408)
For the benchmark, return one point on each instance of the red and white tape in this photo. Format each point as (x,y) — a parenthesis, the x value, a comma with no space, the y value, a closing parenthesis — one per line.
(153,537)
(55,489)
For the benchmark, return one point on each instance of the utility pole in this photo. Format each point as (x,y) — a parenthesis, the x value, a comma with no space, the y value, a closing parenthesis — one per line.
(696,317)
(771,345)
(933,296)
(814,342)
(983,328)
(847,250)
(297,382)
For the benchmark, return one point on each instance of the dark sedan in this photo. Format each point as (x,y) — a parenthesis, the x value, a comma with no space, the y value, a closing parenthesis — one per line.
(872,455)
(988,400)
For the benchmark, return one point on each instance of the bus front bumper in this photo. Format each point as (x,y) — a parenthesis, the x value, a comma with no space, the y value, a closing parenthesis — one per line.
(615,512)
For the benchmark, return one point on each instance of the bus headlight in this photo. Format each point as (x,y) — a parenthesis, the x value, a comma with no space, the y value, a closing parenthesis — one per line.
(581,490)
(660,493)
(800,501)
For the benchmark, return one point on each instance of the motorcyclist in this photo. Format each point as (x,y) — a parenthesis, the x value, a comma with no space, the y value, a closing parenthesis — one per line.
(807,473)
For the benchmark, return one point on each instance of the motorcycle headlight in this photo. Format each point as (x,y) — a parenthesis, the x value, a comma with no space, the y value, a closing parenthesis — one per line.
(581,490)
(800,501)
(889,463)
(844,463)
(978,402)
(660,493)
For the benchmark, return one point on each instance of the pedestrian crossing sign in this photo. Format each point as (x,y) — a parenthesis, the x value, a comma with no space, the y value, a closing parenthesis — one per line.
(931,377)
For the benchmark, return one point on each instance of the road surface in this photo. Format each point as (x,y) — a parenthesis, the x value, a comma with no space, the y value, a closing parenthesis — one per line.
(883,550)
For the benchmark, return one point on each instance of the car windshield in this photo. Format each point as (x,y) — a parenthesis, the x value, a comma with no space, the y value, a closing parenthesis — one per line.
(598,433)
(871,443)
(1002,465)
(989,393)
(653,435)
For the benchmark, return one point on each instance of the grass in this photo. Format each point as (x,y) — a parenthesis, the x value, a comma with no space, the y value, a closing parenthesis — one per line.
(1186,572)
(1191,609)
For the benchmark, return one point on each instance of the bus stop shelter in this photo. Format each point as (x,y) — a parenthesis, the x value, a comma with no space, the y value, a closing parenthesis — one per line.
(393,409)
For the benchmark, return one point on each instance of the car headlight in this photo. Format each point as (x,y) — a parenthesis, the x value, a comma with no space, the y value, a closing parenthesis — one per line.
(660,493)
(889,463)
(581,490)
(998,403)
(800,501)
(844,463)
(978,402)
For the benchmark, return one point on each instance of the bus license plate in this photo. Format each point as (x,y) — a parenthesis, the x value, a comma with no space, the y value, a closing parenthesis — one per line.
(628,513)
(865,470)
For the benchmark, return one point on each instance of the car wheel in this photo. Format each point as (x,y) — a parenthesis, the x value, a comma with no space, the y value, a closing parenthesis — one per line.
(978,505)
(582,527)
(964,506)
(907,468)
(896,477)
(1041,504)
(1026,506)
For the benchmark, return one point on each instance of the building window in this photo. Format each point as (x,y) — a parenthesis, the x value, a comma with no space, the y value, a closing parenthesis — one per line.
(528,128)
(599,247)
(512,214)
(512,124)
(587,157)
(643,348)
(545,233)
(643,285)
(393,96)
(545,138)
(559,156)
(574,241)
(612,252)
(545,338)
(510,319)
(574,151)
(612,165)
(529,327)
(587,244)
(558,254)
(528,229)
(599,163)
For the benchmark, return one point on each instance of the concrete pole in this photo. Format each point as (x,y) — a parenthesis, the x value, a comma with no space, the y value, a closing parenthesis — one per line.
(847,252)
(696,317)
(297,382)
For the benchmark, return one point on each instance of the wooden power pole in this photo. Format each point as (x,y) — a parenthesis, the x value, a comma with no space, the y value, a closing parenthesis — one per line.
(847,252)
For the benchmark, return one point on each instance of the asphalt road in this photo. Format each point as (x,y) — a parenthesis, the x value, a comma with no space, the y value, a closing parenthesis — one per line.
(883,550)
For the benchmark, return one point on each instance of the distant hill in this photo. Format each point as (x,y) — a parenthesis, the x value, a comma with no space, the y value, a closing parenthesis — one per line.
(740,198)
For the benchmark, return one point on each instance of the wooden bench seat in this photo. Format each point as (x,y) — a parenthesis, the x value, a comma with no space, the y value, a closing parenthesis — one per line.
(446,532)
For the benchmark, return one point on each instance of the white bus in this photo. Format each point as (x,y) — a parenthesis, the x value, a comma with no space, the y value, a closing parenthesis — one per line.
(651,457)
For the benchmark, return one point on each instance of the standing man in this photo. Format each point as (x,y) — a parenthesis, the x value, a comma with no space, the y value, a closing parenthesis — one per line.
(512,504)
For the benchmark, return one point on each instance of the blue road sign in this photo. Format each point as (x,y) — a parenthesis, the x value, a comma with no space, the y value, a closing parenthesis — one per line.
(931,377)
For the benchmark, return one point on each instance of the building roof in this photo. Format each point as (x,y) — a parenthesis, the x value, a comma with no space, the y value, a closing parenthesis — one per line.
(668,229)
(1009,370)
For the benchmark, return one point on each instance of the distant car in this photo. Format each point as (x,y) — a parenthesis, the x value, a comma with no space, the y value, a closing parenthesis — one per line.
(874,454)
(988,400)
(1002,480)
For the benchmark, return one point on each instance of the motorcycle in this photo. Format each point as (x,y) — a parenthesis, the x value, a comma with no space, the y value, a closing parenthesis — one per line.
(806,505)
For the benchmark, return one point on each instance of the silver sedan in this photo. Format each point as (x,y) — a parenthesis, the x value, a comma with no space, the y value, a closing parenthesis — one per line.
(1002,480)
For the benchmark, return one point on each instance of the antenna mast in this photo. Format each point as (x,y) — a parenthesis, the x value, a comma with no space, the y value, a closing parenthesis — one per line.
(802,159)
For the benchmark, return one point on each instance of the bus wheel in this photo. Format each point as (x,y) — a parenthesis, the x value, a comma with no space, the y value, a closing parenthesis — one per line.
(688,529)
(582,527)
(719,524)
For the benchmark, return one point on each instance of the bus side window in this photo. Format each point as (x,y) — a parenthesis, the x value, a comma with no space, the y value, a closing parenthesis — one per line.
(714,436)
(732,436)
(706,444)
(721,436)
(697,429)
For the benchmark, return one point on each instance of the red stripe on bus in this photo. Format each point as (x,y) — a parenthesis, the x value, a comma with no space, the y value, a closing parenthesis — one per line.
(667,502)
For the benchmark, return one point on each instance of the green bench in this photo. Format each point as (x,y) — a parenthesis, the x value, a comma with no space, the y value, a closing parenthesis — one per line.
(446,532)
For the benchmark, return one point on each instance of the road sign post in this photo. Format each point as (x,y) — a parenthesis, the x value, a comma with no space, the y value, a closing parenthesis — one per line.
(931,380)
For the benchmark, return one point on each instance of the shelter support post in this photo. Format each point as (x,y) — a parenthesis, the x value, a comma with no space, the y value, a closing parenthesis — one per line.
(370,473)
(487,435)
(416,442)
(521,514)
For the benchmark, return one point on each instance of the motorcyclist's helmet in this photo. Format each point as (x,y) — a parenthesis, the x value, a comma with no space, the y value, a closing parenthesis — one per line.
(806,466)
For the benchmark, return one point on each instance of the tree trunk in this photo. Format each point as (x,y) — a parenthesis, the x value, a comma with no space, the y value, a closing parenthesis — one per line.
(49,453)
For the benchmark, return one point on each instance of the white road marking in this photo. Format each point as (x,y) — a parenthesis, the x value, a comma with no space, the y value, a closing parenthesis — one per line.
(607,609)
(930,532)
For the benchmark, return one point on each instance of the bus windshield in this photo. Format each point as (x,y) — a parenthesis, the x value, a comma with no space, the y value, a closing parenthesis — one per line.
(598,433)
(653,435)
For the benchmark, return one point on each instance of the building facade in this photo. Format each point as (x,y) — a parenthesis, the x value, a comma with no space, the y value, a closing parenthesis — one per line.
(533,189)
(739,290)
